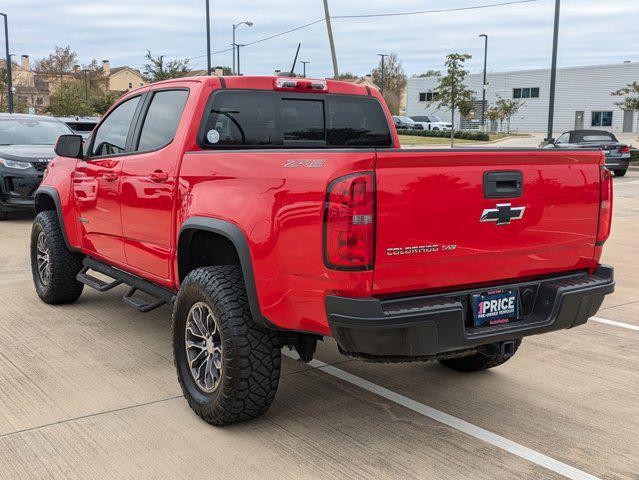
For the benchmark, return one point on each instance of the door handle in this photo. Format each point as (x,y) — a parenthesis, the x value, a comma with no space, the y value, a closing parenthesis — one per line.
(110,176)
(159,176)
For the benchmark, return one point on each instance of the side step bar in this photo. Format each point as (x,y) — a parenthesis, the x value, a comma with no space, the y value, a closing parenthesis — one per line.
(161,296)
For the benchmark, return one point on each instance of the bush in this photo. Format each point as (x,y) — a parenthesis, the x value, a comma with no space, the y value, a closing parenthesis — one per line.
(478,136)
(634,155)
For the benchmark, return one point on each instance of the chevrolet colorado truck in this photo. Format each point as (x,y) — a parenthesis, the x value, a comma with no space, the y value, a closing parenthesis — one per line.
(272,212)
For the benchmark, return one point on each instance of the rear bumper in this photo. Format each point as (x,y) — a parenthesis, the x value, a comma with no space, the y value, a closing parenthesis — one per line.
(422,328)
(617,163)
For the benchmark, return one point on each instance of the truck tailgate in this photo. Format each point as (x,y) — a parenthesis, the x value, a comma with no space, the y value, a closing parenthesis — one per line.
(430,205)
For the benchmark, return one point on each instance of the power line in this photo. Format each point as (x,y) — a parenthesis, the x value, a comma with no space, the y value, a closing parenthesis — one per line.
(441,10)
(373,15)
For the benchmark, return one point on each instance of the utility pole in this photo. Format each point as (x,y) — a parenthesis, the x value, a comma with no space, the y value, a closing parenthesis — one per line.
(239,72)
(9,75)
(484,86)
(208,39)
(331,42)
(383,73)
(304,63)
(86,83)
(553,72)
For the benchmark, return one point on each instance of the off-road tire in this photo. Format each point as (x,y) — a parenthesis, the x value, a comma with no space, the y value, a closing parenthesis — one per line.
(478,361)
(620,173)
(251,355)
(62,287)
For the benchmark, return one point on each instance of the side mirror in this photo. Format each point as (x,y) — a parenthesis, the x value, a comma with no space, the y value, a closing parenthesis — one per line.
(69,146)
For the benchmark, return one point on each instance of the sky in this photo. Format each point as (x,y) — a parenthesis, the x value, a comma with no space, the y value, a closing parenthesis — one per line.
(520,36)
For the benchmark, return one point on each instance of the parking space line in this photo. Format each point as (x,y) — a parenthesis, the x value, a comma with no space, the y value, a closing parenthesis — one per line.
(453,422)
(629,326)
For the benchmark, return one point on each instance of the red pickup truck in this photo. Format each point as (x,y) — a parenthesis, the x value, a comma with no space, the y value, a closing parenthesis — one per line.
(270,212)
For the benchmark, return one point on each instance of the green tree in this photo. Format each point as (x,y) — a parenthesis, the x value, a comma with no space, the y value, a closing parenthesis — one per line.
(69,100)
(508,108)
(157,69)
(630,102)
(494,115)
(428,74)
(394,84)
(99,104)
(347,76)
(452,91)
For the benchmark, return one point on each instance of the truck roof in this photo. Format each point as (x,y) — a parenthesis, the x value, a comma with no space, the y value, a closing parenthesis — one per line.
(265,83)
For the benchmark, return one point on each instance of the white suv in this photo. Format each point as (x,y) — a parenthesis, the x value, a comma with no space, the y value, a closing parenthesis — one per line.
(432,122)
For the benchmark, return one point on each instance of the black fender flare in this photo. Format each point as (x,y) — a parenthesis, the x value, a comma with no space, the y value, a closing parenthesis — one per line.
(47,191)
(236,236)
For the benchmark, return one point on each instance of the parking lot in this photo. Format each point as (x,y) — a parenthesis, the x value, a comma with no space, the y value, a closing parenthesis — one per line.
(89,391)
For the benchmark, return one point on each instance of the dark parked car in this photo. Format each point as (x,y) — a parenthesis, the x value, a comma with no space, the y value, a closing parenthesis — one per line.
(26,147)
(405,123)
(617,154)
(81,125)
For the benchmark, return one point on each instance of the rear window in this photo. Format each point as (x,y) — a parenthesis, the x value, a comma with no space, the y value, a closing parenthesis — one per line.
(258,119)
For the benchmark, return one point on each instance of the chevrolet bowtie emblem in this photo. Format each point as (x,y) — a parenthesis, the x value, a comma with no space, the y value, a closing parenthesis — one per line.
(503,214)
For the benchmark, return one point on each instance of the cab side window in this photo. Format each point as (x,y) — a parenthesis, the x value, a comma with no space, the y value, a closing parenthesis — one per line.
(162,119)
(110,136)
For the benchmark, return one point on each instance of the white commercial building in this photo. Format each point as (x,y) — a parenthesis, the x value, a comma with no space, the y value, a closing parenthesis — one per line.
(583,97)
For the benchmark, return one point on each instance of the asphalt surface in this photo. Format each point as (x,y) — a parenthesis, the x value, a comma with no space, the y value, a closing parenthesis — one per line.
(89,391)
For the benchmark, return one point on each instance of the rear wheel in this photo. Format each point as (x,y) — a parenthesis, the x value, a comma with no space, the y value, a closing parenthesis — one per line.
(620,173)
(53,266)
(489,356)
(227,366)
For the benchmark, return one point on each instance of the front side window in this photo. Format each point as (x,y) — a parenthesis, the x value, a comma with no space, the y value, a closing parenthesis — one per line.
(272,119)
(564,138)
(601,119)
(111,135)
(162,119)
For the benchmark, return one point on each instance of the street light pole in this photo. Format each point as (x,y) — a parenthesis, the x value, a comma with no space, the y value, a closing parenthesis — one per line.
(234,45)
(383,73)
(483,96)
(553,72)
(208,39)
(304,63)
(9,74)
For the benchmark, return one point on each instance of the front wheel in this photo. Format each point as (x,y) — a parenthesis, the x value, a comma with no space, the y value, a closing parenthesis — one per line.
(620,173)
(227,366)
(54,267)
(489,356)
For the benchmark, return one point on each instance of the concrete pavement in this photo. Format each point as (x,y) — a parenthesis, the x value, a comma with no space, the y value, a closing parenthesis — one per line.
(89,391)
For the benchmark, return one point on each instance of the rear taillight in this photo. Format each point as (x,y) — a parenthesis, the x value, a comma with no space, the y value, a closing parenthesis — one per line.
(605,206)
(349,239)
(624,150)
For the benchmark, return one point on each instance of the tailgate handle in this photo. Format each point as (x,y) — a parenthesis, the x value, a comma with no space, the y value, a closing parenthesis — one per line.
(503,184)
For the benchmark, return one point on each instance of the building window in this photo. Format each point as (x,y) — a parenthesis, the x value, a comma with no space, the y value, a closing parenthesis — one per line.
(141,84)
(526,92)
(601,119)
(428,97)
(130,85)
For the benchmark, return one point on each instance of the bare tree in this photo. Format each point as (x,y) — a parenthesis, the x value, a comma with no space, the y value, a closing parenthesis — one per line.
(394,81)
(59,62)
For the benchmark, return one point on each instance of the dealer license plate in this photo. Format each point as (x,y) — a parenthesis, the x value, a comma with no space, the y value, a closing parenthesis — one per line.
(495,307)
